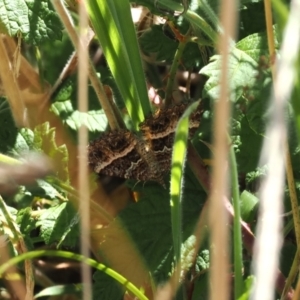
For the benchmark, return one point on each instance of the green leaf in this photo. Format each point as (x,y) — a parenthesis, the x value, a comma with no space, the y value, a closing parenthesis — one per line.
(94,120)
(254,177)
(44,139)
(245,69)
(249,206)
(65,91)
(155,41)
(248,148)
(54,55)
(58,290)
(55,222)
(249,281)
(35,21)
(188,253)
(203,261)
(106,287)
(201,290)
(153,235)
(256,45)
(24,141)
(25,220)
(242,70)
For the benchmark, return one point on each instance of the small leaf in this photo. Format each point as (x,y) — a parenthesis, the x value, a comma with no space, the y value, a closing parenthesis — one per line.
(249,206)
(58,290)
(65,91)
(44,139)
(25,220)
(249,281)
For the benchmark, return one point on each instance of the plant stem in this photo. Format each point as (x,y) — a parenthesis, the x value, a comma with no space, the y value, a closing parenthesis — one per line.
(237,236)
(174,68)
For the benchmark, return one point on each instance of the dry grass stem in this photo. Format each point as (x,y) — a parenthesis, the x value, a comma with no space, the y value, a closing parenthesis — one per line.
(83,173)
(218,218)
(10,86)
(266,258)
(99,90)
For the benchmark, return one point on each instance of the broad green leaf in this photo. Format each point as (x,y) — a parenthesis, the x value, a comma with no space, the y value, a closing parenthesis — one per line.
(66,105)
(106,287)
(94,120)
(55,221)
(245,71)
(248,147)
(35,21)
(153,235)
(242,70)
(201,287)
(256,45)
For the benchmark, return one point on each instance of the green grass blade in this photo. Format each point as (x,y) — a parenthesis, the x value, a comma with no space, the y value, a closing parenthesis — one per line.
(69,255)
(237,233)
(127,30)
(114,28)
(178,162)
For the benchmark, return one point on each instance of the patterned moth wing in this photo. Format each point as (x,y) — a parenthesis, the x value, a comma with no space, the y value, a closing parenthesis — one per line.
(147,157)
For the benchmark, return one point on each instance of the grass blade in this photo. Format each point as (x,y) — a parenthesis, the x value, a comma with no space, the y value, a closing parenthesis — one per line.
(78,257)
(114,28)
(178,163)
(237,233)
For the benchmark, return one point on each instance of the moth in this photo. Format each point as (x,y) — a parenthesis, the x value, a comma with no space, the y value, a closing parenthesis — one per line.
(144,157)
